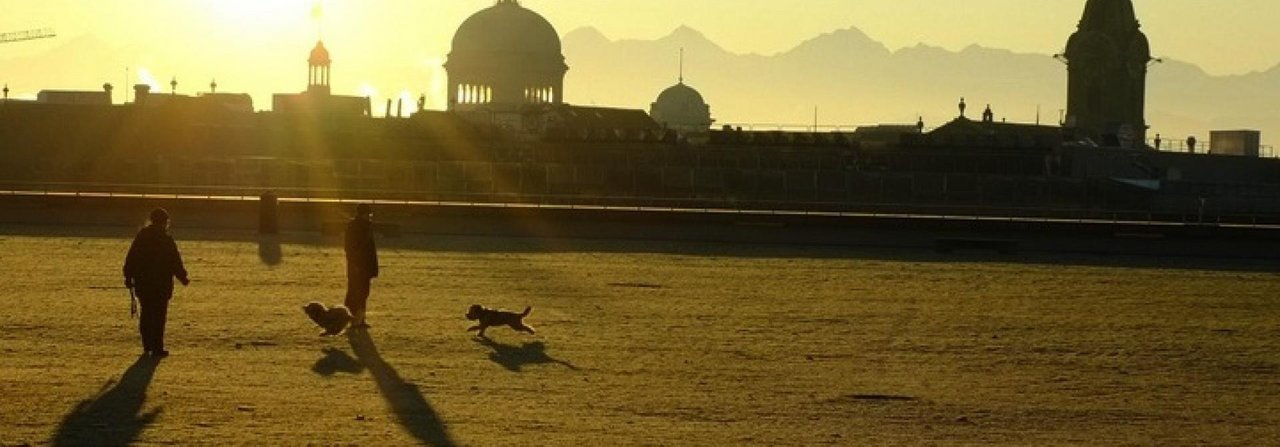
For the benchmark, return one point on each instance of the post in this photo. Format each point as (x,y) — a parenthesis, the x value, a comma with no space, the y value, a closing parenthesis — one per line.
(268,213)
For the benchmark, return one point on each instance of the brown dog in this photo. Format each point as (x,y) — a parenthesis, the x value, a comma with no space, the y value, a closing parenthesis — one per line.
(491,317)
(333,319)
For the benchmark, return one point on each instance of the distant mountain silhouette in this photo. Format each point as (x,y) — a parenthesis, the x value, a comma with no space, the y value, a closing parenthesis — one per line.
(854,79)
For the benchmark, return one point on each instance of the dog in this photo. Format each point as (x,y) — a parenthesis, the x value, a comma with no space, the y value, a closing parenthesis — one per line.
(492,317)
(333,319)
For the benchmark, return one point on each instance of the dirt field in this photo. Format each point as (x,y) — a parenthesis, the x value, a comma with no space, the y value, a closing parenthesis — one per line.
(639,344)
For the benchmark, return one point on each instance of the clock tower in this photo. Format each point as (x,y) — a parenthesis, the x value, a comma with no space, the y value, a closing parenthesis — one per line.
(1107,61)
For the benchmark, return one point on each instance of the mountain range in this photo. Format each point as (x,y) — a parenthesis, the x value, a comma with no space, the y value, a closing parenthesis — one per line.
(853,79)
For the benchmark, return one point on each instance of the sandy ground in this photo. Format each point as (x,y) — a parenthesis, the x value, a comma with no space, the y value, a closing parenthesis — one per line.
(639,344)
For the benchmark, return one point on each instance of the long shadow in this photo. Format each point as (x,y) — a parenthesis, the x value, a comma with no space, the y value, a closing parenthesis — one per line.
(336,361)
(411,408)
(114,416)
(515,358)
(269,250)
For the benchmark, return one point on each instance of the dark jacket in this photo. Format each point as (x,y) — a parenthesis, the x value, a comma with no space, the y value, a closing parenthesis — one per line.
(362,254)
(153,259)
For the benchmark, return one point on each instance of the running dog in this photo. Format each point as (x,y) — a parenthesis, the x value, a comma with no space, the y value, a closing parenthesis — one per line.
(492,317)
(333,319)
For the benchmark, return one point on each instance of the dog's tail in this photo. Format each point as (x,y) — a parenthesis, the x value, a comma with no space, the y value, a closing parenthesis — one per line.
(527,310)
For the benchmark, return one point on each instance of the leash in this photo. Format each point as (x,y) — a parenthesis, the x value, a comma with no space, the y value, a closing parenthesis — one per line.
(133,304)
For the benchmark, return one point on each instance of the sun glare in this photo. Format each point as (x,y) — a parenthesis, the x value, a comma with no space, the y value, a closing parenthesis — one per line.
(259,14)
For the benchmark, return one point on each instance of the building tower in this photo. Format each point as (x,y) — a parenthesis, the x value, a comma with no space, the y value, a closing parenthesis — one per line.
(318,73)
(1107,62)
(504,58)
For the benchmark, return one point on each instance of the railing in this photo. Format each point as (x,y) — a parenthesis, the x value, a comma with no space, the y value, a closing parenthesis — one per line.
(1202,147)
(913,211)
(785,127)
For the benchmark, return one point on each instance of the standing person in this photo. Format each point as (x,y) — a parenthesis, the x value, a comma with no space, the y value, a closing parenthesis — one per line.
(362,263)
(149,269)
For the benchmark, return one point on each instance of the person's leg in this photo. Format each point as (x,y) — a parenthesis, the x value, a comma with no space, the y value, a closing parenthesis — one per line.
(357,296)
(362,294)
(144,329)
(161,317)
(148,319)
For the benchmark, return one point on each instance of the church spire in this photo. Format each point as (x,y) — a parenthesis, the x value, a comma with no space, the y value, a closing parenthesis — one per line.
(1108,15)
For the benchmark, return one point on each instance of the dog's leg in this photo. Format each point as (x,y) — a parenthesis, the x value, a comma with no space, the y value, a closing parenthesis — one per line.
(475,328)
(526,328)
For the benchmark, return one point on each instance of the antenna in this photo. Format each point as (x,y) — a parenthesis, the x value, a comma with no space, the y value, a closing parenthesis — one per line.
(317,14)
(682,65)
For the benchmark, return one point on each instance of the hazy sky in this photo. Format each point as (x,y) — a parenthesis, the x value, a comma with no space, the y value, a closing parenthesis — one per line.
(1223,36)
(197,40)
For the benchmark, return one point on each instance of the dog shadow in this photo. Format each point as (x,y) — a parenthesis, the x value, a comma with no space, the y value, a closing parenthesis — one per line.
(515,358)
(113,416)
(336,361)
(412,411)
(269,250)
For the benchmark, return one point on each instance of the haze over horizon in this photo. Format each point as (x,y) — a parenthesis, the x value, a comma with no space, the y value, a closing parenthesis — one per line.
(395,48)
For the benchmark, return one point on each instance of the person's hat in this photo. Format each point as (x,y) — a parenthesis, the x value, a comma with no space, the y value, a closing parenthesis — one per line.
(364,209)
(159,215)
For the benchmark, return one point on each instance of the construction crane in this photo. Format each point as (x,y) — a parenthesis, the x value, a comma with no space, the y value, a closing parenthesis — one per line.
(43,33)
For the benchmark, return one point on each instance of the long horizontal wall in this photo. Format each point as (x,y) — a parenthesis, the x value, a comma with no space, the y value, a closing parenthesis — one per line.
(239,218)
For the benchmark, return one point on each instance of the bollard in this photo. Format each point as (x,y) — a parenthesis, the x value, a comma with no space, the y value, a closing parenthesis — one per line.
(268,213)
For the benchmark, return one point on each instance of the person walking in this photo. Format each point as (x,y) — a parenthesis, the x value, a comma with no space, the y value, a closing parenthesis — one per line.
(149,269)
(362,263)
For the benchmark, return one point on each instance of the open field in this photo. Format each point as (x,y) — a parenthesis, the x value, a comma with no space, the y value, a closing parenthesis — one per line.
(640,343)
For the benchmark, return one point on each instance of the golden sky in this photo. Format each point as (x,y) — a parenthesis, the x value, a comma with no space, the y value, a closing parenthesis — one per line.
(198,40)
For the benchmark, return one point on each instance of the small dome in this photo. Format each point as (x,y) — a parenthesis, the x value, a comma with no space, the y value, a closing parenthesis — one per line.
(507,27)
(682,108)
(319,55)
(681,95)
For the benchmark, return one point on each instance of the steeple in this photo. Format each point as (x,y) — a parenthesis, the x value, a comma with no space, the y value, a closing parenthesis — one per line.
(1105,14)
(1107,61)
(318,71)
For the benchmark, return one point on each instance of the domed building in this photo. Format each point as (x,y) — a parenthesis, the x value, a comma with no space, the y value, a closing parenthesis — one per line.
(682,109)
(503,58)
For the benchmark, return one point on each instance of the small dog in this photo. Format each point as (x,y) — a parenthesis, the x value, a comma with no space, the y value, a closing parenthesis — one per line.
(333,319)
(491,317)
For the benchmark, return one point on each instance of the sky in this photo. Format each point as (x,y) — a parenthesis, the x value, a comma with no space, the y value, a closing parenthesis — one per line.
(200,40)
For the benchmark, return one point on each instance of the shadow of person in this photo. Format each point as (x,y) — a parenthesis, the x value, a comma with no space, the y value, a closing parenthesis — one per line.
(269,249)
(114,416)
(411,408)
(513,358)
(336,361)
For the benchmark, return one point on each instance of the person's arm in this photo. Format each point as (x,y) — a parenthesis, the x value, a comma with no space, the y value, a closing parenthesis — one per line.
(131,263)
(179,270)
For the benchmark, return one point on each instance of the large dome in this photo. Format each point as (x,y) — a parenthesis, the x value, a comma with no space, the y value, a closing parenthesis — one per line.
(507,27)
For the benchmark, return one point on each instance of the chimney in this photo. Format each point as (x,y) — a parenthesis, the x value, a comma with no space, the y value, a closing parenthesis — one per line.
(140,93)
